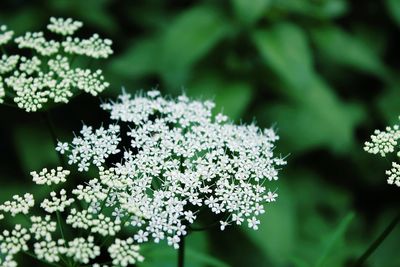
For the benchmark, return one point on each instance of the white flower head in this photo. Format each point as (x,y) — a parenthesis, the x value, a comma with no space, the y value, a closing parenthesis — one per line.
(49,177)
(181,158)
(5,35)
(384,143)
(50,75)
(64,26)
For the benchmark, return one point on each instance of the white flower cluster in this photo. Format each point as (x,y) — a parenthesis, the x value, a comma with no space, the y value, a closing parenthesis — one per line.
(383,143)
(5,35)
(180,159)
(41,235)
(57,203)
(93,147)
(94,47)
(54,176)
(64,26)
(42,227)
(18,204)
(50,75)
(124,252)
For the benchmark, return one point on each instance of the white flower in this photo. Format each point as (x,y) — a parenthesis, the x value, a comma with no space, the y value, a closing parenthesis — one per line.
(42,228)
(18,204)
(83,249)
(63,26)
(62,147)
(394,174)
(37,42)
(94,146)
(253,223)
(271,196)
(54,176)
(15,241)
(124,252)
(55,203)
(49,75)
(93,47)
(49,250)
(383,143)
(8,63)
(181,159)
(5,36)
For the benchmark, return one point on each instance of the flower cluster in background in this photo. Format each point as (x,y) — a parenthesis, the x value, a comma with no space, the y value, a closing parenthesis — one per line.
(180,159)
(49,73)
(48,237)
(383,143)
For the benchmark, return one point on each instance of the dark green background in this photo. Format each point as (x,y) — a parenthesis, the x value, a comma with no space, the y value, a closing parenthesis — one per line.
(324,72)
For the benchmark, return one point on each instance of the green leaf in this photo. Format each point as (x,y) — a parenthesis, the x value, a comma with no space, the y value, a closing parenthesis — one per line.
(231,97)
(142,58)
(248,12)
(35,148)
(196,253)
(278,228)
(313,116)
(348,50)
(294,231)
(317,118)
(388,104)
(284,48)
(90,11)
(187,39)
(393,7)
(315,9)
(333,243)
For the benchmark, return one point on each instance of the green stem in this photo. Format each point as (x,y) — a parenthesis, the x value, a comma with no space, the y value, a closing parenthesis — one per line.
(36,258)
(371,249)
(50,126)
(181,252)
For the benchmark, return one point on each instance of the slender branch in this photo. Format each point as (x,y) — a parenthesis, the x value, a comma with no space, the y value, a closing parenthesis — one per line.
(181,252)
(50,126)
(371,249)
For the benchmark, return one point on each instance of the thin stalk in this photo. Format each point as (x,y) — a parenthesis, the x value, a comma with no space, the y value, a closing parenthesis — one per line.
(36,258)
(181,252)
(378,241)
(50,126)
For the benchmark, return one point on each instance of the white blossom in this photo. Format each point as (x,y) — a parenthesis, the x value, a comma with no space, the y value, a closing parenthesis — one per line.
(93,47)
(64,26)
(56,203)
(15,241)
(384,143)
(83,249)
(49,177)
(42,228)
(49,75)
(49,250)
(180,159)
(18,204)
(5,35)
(124,252)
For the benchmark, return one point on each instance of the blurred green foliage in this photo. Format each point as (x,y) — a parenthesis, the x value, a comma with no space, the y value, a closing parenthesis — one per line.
(324,72)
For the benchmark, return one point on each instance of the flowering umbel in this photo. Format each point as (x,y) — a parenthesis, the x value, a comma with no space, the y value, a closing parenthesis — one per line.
(43,235)
(50,74)
(180,159)
(383,143)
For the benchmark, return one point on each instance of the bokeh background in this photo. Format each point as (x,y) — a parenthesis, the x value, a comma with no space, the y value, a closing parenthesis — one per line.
(324,73)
